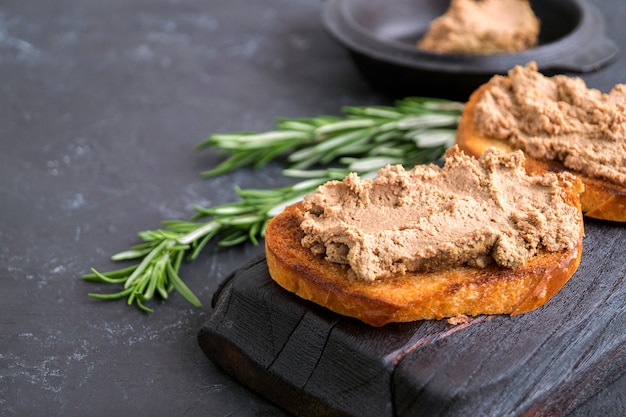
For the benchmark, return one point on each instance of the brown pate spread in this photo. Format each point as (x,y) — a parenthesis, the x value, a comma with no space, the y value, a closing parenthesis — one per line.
(471,212)
(557,119)
(483,27)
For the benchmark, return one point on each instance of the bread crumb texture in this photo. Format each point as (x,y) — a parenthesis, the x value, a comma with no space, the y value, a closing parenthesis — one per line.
(456,320)
(470,212)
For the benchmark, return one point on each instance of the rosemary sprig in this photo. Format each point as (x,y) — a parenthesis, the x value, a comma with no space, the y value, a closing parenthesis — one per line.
(162,250)
(415,131)
(363,131)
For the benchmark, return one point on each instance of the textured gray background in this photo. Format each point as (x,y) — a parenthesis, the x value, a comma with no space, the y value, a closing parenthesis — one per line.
(101,105)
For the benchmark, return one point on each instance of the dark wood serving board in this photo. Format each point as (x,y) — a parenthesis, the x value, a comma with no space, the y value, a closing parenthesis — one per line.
(313,362)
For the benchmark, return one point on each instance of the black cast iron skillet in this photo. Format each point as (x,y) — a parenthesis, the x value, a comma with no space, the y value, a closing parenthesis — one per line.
(381,36)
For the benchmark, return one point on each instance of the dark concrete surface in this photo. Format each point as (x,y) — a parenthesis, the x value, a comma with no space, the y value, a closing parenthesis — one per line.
(101,105)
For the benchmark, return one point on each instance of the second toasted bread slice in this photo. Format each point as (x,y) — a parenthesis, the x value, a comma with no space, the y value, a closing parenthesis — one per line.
(602,198)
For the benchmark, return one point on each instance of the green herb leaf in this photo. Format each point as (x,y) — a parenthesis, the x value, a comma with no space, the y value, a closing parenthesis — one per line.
(324,139)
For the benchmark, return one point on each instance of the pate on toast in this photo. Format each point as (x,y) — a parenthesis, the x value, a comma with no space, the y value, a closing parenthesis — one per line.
(415,291)
(604,197)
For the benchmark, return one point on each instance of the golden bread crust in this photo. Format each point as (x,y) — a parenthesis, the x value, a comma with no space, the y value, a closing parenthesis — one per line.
(600,199)
(414,296)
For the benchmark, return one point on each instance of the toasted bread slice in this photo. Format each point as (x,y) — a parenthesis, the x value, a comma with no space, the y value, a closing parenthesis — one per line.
(601,199)
(415,295)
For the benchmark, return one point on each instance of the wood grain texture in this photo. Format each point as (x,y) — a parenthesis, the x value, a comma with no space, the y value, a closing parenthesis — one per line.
(313,362)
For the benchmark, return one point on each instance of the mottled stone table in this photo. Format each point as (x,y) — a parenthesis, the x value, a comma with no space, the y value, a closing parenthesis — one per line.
(101,106)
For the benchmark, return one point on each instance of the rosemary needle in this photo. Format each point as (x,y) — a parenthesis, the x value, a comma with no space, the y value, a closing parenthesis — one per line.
(323,139)
(415,130)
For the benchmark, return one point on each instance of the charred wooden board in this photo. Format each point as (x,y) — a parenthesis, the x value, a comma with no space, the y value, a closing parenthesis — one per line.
(313,362)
